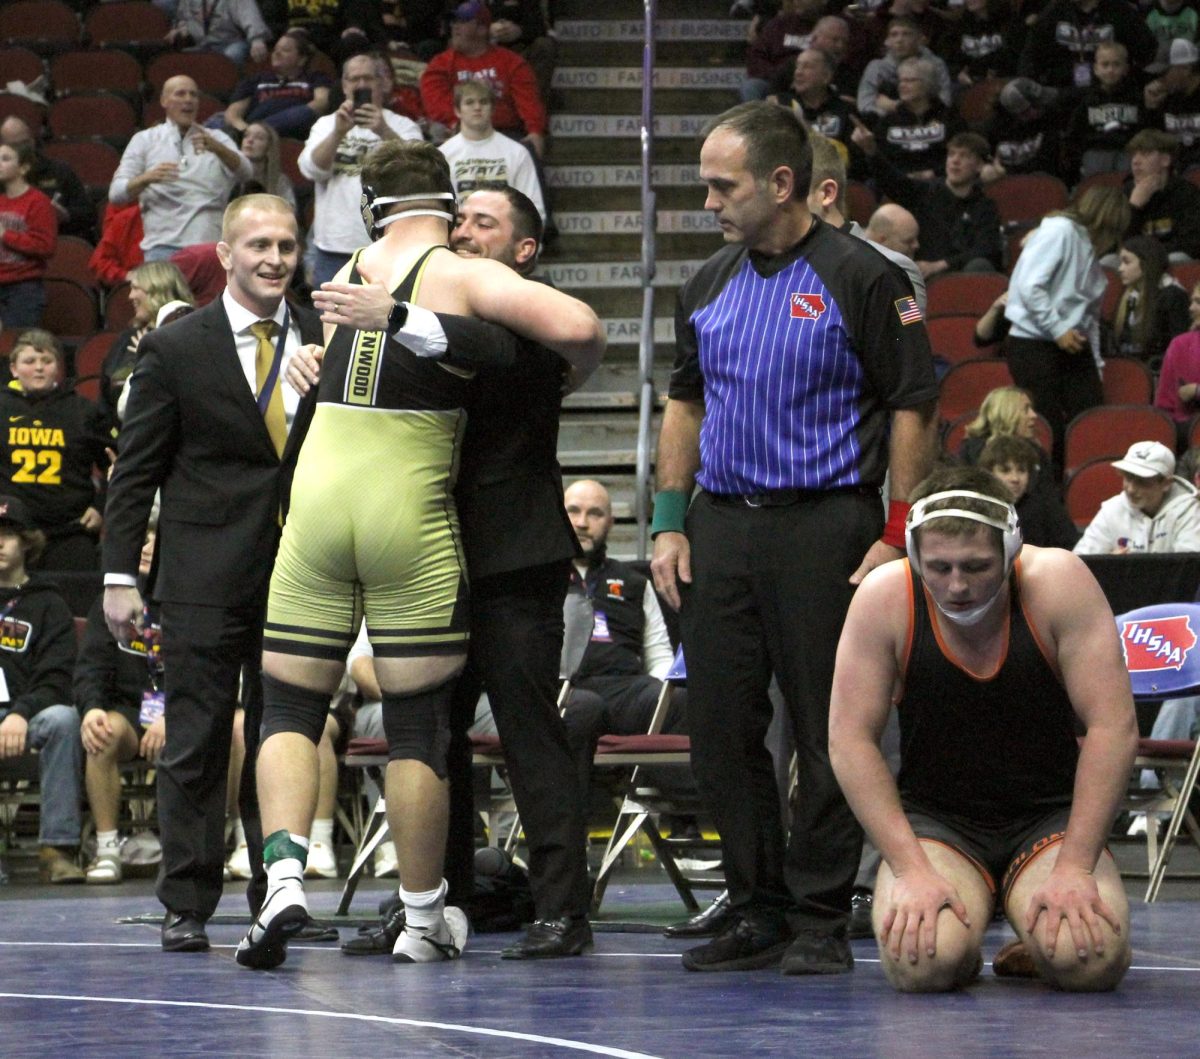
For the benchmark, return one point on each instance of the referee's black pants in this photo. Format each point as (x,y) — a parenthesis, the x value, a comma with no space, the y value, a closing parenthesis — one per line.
(769,594)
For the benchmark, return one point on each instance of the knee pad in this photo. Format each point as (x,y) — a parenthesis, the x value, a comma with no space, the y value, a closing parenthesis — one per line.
(288,708)
(417,726)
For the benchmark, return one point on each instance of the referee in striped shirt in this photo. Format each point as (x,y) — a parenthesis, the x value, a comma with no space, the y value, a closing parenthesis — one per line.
(802,376)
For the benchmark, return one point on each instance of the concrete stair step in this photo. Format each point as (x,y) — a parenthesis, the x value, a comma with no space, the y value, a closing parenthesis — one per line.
(629,100)
(621,52)
(613,29)
(623,151)
(596,75)
(569,200)
(590,275)
(567,176)
(581,245)
(594,431)
(614,385)
(628,125)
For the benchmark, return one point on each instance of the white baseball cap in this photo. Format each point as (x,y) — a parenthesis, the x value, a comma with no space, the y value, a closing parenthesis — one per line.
(1147,459)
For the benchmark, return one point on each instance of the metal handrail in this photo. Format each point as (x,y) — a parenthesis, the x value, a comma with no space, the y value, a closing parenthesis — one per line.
(646,396)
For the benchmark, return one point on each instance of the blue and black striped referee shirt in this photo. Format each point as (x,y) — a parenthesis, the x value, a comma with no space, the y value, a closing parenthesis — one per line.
(799,359)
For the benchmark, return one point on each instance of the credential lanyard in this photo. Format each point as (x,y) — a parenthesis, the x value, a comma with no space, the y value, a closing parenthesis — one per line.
(268,387)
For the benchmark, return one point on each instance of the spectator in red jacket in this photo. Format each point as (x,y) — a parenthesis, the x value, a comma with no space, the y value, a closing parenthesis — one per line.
(28,234)
(120,246)
(519,111)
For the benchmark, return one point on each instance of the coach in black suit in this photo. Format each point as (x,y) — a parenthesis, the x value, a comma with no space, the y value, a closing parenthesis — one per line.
(194,429)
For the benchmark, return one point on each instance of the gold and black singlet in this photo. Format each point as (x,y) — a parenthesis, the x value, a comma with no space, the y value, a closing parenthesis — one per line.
(372,527)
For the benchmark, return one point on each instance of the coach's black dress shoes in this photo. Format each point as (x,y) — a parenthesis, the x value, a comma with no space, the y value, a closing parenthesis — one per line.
(548,938)
(183,932)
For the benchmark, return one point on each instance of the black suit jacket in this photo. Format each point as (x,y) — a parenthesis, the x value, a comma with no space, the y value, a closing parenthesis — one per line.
(193,429)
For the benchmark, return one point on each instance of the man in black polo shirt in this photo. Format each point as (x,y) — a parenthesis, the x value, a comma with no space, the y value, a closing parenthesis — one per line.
(803,375)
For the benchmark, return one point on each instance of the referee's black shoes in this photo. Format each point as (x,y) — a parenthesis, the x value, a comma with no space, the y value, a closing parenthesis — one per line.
(183,932)
(817,951)
(744,945)
(548,938)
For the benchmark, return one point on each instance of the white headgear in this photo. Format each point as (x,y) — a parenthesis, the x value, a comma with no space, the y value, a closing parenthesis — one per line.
(1005,520)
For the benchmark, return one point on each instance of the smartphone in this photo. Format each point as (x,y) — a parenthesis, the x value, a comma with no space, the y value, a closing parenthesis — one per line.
(362,97)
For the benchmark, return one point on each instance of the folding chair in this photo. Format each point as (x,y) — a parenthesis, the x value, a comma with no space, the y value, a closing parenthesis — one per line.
(1112,296)
(954,293)
(860,201)
(99,116)
(46,26)
(70,260)
(1025,198)
(93,161)
(118,309)
(1088,487)
(953,339)
(20,64)
(129,25)
(70,309)
(33,114)
(93,70)
(213,72)
(977,103)
(641,803)
(1159,644)
(1127,381)
(1109,430)
(1187,273)
(965,385)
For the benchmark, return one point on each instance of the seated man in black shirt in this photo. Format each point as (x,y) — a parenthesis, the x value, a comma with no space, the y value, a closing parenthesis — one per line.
(618,681)
(998,661)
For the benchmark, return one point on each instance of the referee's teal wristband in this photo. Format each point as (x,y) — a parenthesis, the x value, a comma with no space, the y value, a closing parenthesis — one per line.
(670,509)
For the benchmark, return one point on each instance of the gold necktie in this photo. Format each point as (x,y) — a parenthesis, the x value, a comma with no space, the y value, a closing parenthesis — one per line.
(264,331)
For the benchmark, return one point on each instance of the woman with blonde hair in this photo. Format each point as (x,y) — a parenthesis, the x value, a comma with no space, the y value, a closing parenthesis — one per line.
(260,143)
(1005,410)
(1054,299)
(151,286)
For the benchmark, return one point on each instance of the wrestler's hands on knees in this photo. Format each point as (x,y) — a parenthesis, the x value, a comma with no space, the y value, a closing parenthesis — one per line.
(1070,896)
(909,924)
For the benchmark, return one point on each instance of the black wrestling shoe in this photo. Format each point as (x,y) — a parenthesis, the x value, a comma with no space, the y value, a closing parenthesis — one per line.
(707,923)
(380,940)
(860,925)
(548,938)
(315,930)
(741,946)
(183,932)
(818,952)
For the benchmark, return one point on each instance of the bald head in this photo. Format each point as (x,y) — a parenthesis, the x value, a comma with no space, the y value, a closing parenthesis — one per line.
(894,227)
(15,131)
(180,98)
(589,508)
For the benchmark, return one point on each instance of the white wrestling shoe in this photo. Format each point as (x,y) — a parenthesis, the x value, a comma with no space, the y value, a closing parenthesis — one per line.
(445,942)
(284,913)
(321,863)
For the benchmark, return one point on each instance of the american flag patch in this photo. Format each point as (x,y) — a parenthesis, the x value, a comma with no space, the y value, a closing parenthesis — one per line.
(908,310)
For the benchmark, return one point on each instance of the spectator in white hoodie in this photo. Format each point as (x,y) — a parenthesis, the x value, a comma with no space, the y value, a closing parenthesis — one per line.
(1155,512)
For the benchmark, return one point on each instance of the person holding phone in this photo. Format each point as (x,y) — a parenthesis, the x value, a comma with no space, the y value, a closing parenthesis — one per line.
(333,156)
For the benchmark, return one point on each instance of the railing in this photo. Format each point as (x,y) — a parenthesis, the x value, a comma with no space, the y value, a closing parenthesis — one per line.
(646,395)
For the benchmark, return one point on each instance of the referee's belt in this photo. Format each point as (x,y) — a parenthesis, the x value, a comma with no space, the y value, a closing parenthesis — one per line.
(788,497)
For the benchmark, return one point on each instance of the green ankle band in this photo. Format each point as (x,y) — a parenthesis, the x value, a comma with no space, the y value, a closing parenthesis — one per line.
(280,846)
